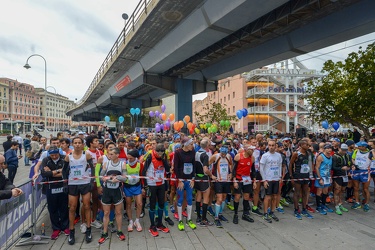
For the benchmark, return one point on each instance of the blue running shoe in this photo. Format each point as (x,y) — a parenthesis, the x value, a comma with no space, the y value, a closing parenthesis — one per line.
(366,207)
(297,215)
(306,214)
(172,209)
(321,210)
(327,209)
(280,210)
(356,206)
(210,211)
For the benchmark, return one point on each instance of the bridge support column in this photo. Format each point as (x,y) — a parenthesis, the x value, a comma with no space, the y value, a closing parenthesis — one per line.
(184,98)
(134,103)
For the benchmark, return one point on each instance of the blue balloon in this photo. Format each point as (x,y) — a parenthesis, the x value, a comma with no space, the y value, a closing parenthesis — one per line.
(137,111)
(244,112)
(132,111)
(106,118)
(325,124)
(239,114)
(121,119)
(335,125)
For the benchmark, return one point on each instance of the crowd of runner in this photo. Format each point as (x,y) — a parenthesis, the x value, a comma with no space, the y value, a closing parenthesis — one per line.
(96,180)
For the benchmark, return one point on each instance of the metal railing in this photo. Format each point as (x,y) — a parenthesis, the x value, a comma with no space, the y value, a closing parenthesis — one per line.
(131,26)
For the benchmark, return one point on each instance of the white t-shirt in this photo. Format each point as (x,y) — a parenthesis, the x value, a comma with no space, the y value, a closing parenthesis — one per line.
(270,166)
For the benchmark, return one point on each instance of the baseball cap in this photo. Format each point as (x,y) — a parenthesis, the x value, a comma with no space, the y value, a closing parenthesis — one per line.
(349,142)
(327,146)
(336,139)
(362,144)
(224,150)
(344,146)
(81,133)
(287,139)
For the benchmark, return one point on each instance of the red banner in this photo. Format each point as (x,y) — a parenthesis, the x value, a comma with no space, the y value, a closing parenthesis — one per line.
(123,83)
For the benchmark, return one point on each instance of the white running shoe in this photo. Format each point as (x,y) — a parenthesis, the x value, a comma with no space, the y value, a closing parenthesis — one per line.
(138,226)
(97,224)
(83,228)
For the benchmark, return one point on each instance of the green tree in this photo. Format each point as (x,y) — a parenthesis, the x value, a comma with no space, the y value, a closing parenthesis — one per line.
(214,113)
(346,93)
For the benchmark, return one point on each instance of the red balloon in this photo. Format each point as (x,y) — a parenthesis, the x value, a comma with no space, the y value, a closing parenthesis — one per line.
(191,131)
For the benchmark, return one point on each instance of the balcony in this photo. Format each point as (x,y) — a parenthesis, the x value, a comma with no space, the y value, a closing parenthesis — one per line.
(274,90)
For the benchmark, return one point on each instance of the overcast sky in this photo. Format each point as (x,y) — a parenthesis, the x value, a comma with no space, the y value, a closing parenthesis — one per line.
(75,36)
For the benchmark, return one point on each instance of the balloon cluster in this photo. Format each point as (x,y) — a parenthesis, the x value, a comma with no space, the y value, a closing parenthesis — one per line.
(335,125)
(241,113)
(135,111)
(163,117)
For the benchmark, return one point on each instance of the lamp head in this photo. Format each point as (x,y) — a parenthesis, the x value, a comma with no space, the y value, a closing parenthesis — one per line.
(27,66)
(125,16)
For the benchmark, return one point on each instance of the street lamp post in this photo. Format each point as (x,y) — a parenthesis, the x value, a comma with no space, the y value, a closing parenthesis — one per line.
(54,110)
(27,66)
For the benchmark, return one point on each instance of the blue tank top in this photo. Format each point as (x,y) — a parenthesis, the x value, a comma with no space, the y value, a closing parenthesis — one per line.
(325,166)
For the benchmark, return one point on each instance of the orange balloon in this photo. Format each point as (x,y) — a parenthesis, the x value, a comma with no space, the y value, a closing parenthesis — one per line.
(176,126)
(163,116)
(190,125)
(171,117)
(187,118)
(181,124)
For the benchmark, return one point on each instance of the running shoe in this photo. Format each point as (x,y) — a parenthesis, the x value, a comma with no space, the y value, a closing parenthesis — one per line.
(71,239)
(169,221)
(310,209)
(327,209)
(235,219)
(364,201)
(171,207)
(191,224)
(181,226)
(230,207)
(297,215)
(289,200)
(162,228)
(218,223)
(138,226)
(273,216)
(175,215)
(284,202)
(210,211)
(267,218)
(184,214)
(83,228)
(97,224)
(306,214)
(112,228)
(321,210)
(142,214)
(328,200)
(153,231)
(350,200)
(205,223)
(77,219)
(366,207)
(125,216)
(55,234)
(338,211)
(88,235)
(121,235)
(342,208)
(256,211)
(356,206)
(280,210)
(281,206)
(66,232)
(247,217)
(312,195)
(130,226)
(222,218)
(199,219)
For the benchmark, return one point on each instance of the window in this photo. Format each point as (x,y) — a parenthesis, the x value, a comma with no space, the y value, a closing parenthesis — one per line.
(228,84)
(234,108)
(228,97)
(221,100)
(228,110)
(225,99)
(233,94)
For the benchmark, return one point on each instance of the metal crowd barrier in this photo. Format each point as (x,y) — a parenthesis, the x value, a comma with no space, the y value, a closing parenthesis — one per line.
(19,215)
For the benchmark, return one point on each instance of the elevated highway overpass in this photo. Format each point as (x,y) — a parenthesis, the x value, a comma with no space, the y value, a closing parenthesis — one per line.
(184,47)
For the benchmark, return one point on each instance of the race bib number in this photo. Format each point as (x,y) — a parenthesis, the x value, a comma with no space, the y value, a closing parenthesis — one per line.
(159,174)
(345,179)
(133,179)
(246,180)
(56,190)
(77,171)
(188,168)
(305,169)
(326,180)
(275,172)
(112,185)
(224,171)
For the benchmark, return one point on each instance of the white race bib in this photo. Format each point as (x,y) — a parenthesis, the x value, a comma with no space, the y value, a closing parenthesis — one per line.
(224,171)
(188,168)
(326,180)
(345,179)
(112,185)
(56,190)
(133,179)
(159,174)
(246,180)
(77,171)
(275,172)
(305,169)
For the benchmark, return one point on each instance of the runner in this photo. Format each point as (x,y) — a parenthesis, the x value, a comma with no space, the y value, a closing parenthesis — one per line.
(341,164)
(323,168)
(155,168)
(270,169)
(112,177)
(371,143)
(299,169)
(361,174)
(243,163)
(257,177)
(184,159)
(78,169)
